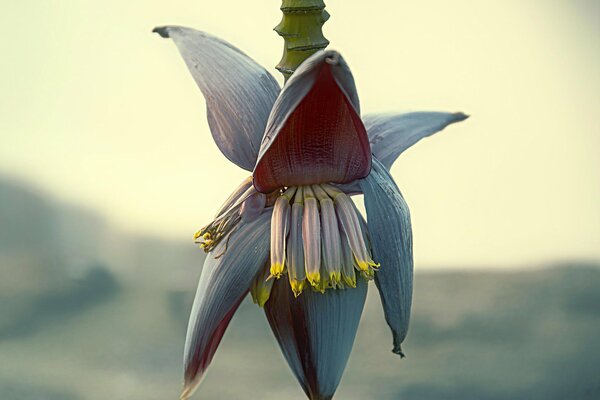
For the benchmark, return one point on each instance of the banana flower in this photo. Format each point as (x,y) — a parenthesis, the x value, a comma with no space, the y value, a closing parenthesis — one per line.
(290,234)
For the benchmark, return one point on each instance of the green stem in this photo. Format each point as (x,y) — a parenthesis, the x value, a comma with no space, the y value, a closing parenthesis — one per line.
(301,29)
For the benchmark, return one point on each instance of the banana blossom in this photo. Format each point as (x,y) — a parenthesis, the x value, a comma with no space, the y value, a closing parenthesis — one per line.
(290,234)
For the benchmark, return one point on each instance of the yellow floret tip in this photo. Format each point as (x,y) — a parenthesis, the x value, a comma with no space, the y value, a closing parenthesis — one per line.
(335,277)
(322,286)
(206,244)
(277,270)
(366,265)
(350,281)
(314,278)
(297,286)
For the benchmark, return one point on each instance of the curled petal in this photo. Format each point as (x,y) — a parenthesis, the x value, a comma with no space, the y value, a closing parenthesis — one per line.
(314,133)
(239,93)
(316,332)
(245,204)
(391,237)
(391,134)
(347,215)
(279,229)
(332,256)
(226,278)
(295,249)
(311,237)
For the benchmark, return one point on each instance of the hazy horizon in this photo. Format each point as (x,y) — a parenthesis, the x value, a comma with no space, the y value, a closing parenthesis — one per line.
(197,255)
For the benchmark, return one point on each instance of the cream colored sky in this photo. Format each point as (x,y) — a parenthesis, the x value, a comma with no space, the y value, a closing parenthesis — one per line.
(98,111)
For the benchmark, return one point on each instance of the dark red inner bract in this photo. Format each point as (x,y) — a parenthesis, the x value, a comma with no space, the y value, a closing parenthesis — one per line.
(323,140)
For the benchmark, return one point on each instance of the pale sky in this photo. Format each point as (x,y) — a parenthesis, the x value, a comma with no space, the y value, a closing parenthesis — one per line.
(97,111)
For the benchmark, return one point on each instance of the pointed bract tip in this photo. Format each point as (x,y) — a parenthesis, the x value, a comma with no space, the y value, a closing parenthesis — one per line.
(260,296)
(333,57)
(460,116)
(262,299)
(187,391)
(398,350)
(163,31)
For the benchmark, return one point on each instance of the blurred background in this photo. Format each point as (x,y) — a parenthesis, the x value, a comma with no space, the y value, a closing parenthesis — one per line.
(107,168)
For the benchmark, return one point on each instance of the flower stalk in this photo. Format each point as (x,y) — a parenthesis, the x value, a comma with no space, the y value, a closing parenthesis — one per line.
(301,30)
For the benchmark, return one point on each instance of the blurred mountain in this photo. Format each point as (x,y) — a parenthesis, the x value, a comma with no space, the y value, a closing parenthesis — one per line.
(58,259)
(90,313)
(61,240)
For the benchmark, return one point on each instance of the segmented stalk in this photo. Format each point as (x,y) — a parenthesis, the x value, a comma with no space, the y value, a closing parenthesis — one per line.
(301,30)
